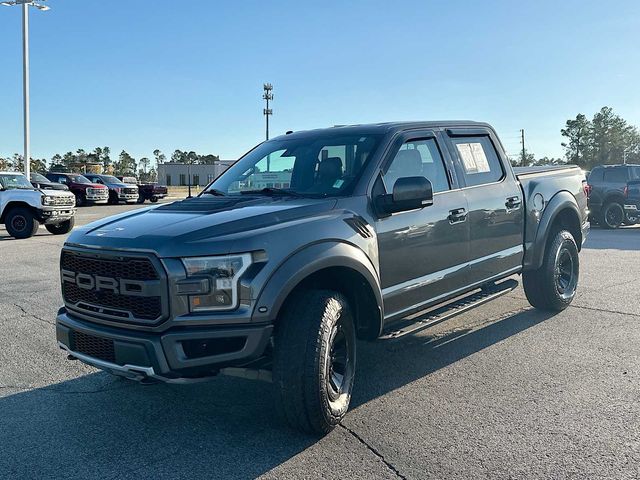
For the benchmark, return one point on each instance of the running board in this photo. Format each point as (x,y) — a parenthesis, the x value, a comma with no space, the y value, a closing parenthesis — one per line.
(429,318)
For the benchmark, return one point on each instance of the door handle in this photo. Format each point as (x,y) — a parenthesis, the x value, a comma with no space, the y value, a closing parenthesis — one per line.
(513,203)
(457,215)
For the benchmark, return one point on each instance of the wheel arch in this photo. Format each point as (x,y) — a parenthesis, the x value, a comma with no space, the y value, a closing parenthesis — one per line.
(328,265)
(16,204)
(561,211)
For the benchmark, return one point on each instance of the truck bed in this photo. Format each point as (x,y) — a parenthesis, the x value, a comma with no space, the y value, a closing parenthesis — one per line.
(543,170)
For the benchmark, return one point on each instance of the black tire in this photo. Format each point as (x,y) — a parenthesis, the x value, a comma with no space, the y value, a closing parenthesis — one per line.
(113,199)
(21,223)
(80,200)
(154,199)
(61,228)
(612,216)
(553,286)
(314,360)
(140,200)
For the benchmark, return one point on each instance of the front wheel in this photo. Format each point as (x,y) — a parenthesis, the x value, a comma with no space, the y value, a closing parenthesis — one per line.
(20,223)
(81,201)
(553,286)
(314,360)
(61,228)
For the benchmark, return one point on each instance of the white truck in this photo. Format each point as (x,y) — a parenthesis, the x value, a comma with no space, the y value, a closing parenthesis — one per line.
(23,208)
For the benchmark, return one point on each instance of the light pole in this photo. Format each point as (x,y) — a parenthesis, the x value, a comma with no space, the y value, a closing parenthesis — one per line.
(268,95)
(25,73)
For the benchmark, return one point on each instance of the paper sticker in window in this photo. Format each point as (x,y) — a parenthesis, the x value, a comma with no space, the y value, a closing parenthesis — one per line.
(473,158)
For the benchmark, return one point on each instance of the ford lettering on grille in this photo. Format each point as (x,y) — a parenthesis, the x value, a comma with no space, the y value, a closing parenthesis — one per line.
(123,289)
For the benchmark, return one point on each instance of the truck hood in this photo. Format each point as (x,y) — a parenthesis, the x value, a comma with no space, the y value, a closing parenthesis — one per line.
(56,193)
(204,225)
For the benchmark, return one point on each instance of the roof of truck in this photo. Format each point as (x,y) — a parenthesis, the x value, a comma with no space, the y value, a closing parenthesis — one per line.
(389,127)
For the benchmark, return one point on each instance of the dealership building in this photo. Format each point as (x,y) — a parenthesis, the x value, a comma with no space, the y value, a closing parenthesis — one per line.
(174,174)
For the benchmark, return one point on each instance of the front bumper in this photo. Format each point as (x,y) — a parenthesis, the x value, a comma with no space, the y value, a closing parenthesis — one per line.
(128,197)
(55,215)
(175,356)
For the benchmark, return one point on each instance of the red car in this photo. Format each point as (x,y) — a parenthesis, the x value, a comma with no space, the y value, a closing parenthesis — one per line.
(85,191)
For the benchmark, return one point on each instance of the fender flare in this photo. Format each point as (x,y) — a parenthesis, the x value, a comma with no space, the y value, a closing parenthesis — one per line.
(560,202)
(307,261)
(17,204)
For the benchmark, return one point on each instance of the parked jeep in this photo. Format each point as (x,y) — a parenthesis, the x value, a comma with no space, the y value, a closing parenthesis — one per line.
(84,190)
(23,208)
(118,190)
(311,241)
(614,198)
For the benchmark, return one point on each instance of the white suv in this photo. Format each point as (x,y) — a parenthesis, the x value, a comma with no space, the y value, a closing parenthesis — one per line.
(23,208)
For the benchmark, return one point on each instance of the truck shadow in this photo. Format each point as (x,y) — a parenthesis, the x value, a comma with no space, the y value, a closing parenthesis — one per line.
(97,426)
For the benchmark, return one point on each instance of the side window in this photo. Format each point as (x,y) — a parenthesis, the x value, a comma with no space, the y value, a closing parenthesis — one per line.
(63,180)
(479,160)
(418,158)
(615,175)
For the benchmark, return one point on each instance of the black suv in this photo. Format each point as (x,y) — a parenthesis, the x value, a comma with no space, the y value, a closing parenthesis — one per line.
(615,195)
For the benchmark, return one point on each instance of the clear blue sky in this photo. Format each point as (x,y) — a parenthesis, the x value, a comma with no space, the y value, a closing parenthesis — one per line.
(141,75)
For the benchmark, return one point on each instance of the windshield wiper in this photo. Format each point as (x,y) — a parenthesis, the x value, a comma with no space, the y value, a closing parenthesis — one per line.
(215,192)
(272,191)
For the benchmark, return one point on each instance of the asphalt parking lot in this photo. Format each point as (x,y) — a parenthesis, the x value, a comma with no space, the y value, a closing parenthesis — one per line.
(503,391)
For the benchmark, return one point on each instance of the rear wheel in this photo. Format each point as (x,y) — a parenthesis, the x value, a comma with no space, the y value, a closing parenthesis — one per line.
(20,223)
(61,228)
(314,360)
(553,286)
(612,215)
(154,199)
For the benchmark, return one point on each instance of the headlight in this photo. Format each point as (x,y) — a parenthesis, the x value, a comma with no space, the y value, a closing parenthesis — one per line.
(223,273)
(118,189)
(46,200)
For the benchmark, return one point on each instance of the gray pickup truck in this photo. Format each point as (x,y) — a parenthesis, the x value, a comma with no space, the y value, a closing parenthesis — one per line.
(313,240)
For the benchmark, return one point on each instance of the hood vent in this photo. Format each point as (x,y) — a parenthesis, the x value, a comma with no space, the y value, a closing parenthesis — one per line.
(360,225)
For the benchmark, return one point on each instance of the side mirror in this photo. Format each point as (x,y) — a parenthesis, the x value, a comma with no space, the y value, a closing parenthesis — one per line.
(409,193)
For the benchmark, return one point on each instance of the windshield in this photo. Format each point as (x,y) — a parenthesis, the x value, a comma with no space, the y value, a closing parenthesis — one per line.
(325,164)
(109,179)
(36,177)
(79,179)
(12,182)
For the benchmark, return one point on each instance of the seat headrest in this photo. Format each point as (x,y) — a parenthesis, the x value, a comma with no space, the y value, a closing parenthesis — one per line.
(330,168)
(408,163)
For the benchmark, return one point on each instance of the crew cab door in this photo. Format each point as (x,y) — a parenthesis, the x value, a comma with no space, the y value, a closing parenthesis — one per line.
(423,253)
(495,202)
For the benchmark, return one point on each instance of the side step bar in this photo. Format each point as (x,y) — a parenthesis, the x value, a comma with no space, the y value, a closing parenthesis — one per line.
(429,318)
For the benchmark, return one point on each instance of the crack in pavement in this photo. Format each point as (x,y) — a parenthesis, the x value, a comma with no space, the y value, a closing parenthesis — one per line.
(373,450)
(604,310)
(25,313)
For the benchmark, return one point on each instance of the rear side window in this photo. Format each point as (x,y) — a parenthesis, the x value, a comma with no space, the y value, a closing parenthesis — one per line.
(479,160)
(615,175)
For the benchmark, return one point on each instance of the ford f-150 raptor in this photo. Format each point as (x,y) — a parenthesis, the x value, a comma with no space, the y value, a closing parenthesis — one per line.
(311,241)
(23,208)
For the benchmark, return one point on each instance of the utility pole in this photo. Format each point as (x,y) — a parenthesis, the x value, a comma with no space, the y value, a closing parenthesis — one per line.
(524,151)
(268,96)
(25,74)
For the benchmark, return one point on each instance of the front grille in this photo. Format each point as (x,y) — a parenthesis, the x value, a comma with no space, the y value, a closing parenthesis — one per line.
(95,347)
(64,201)
(111,303)
(131,190)
(102,192)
